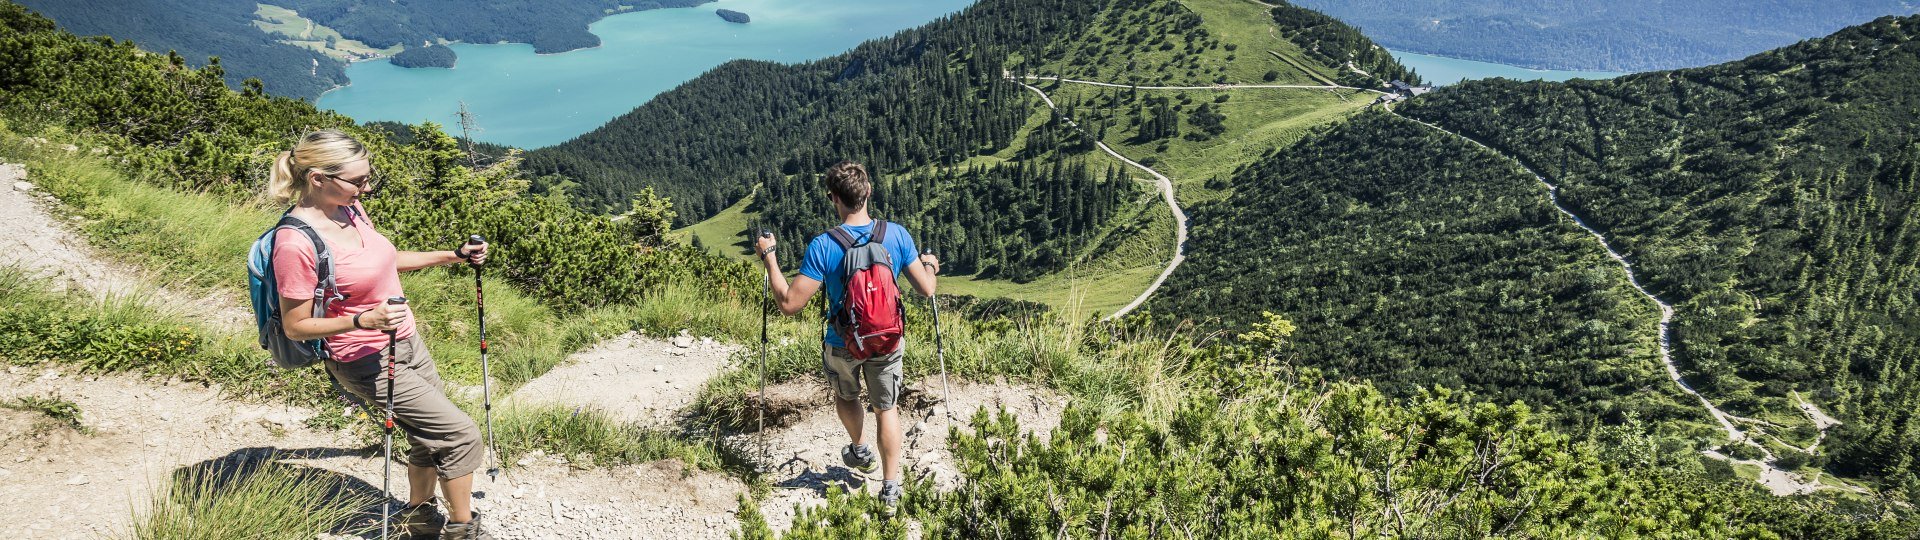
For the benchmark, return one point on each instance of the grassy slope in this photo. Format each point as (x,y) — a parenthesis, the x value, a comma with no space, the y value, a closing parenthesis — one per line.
(304,32)
(1259,120)
(1109,51)
(721,233)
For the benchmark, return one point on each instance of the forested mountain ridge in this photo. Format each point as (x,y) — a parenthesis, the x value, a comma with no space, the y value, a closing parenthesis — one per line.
(1769,200)
(1612,35)
(933,104)
(1772,200)
(1416,260)
(198,29)
(708,141)
(927,95)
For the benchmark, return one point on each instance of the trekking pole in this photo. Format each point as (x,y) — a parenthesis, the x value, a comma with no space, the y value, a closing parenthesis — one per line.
(386,477)
(486,374)
(766,301)
(940,349)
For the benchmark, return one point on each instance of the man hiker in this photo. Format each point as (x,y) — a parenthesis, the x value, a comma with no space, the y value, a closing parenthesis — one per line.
(859,347)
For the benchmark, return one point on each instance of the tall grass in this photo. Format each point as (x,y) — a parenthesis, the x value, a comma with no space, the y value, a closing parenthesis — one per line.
(588,436)
(201,240)
(126,334)
(255,499)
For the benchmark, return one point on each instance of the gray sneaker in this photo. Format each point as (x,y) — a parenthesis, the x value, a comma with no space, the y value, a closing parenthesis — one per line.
(890,492)
(465,531)
(858,457)
(423,520)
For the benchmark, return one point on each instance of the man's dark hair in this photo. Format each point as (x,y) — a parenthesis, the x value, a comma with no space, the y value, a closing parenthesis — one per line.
(848,181)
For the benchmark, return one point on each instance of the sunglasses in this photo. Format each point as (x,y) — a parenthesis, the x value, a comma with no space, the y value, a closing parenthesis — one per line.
(365,183)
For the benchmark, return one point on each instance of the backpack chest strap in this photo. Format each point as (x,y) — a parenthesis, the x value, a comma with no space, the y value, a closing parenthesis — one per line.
(846,240)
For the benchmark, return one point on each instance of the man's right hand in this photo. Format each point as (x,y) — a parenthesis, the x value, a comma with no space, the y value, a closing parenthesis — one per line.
(764,244)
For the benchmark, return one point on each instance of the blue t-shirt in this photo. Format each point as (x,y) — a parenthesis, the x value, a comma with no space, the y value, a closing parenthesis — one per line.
(822,262)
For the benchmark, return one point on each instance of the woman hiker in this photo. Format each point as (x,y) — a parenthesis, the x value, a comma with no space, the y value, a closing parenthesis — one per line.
(324,176)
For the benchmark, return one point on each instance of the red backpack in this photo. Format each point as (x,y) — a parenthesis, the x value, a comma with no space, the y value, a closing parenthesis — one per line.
(871,319)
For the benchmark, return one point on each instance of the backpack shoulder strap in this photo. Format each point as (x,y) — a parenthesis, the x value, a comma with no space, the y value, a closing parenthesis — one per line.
(841,236)
(322,257)
(879,233)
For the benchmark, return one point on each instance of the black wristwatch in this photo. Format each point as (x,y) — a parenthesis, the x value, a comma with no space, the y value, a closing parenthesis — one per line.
(356,321)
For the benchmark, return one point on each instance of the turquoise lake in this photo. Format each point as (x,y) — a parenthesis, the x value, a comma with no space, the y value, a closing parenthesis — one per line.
(529,100)
(1441,70)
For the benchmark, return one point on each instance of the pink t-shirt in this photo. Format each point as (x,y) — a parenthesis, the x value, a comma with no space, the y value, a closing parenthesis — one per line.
(367,274)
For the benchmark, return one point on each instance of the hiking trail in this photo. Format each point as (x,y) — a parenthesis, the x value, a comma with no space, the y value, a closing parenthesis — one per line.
(1165,186)
(802,454)
(37,241)
(1161,181)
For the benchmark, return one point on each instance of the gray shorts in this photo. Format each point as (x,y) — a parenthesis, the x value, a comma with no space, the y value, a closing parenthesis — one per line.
(442,435)
(882,376)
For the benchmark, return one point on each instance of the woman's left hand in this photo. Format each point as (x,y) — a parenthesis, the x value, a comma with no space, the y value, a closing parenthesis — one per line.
(476,253)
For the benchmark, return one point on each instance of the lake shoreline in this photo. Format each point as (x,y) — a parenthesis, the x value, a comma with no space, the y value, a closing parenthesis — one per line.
(1442,70)
(529,99)
(1500,61)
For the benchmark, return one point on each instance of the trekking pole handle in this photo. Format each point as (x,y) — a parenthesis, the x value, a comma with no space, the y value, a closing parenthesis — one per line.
(397,300)
(756,250)
(474,240)
(930,266)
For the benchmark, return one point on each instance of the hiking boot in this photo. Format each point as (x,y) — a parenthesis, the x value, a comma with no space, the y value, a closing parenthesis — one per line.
(465,531)
(858,457)
(422,520)
(890,492)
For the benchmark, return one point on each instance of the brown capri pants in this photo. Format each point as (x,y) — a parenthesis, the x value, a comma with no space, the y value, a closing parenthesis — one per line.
(442,435)
(882,376)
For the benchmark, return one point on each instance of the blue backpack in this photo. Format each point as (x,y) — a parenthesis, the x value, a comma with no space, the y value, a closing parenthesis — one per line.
(265,289)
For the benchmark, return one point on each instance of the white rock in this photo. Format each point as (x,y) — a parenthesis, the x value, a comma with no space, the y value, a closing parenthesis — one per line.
(5,472)
(683,341)
(70,148)
(656,368)
(50,375)
(78,480)
(282,420)
(23,186)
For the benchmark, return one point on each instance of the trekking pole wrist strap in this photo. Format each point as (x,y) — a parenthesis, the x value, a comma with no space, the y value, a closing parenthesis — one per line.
(356,321)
